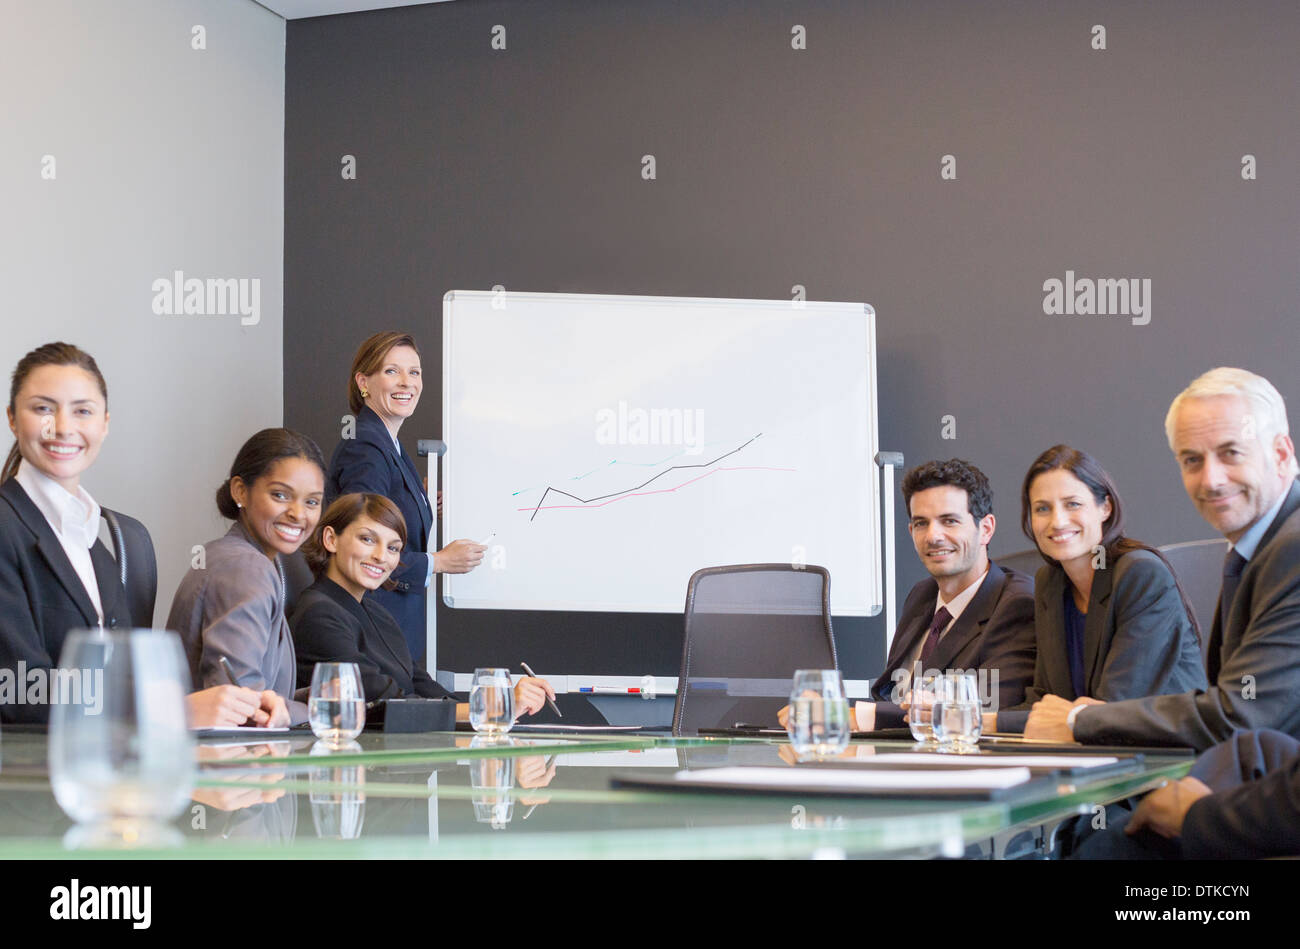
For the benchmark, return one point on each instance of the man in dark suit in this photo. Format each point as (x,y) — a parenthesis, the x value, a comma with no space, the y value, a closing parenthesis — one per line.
(1228,431)
(970,614)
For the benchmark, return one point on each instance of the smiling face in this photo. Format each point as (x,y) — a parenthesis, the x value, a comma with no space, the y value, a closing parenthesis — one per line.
(280,509)
(59,418)
(363,555)
(393,391)
(1065,518)
(1230,472)
(951,545)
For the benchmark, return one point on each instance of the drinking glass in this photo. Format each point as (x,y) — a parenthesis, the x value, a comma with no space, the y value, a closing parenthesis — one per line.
(920,707)
(492,702)
(818,724)
(956,711)
(121,755)
(336,707)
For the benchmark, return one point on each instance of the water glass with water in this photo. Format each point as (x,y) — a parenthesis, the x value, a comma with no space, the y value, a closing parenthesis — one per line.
(492,702)
(121,755)
(920,711)
(956,712)
(819,714)
(336,707)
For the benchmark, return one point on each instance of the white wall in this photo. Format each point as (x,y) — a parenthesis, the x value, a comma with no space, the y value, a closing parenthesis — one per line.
(166,158)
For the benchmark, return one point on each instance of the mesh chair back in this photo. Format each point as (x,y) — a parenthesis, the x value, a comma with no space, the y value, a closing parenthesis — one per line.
(1198,565)
(748,628)
(137,567)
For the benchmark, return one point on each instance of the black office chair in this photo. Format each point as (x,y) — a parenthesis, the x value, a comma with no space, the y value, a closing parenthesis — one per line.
(137,567)
(748,628)
(1026,561)
(1198,564)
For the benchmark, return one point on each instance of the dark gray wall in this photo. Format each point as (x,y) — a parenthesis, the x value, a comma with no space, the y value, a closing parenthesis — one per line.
(818,167)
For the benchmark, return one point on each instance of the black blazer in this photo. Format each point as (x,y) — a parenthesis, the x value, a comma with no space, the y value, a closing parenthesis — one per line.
(369,463)
(1253,663)
(330,626)
(1255,808)
(995,631)
(1137,639)
(41,596)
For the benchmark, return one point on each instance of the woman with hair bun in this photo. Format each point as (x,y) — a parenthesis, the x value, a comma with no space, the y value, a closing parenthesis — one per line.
(233,605)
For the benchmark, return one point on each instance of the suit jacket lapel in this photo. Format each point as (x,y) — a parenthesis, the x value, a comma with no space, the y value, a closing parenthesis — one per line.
(972,620)
(1240,610)
(371,425)
(1052,647)
(50,549)
(1094,624)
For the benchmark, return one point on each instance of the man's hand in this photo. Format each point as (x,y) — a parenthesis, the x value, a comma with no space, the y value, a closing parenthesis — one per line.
(1164,810)
(460,556)
(531,694)
(1047,719)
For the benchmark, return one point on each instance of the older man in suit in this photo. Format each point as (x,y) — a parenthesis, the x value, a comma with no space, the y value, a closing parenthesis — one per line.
(1228,431)
(969,614)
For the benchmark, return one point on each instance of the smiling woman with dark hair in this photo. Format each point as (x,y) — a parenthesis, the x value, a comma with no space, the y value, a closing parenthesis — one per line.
(1110,617)
(232,606)
(357,545)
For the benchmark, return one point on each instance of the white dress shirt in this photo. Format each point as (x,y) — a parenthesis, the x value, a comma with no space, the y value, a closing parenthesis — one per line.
(74,518)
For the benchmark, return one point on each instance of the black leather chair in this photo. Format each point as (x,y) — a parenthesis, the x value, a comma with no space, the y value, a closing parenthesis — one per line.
(748,628)
(137,567)
(1198,564)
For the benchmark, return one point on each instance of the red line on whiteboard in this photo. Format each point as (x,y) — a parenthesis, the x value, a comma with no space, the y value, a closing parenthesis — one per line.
(634,494)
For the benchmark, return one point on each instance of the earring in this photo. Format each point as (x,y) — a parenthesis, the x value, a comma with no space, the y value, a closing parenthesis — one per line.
(365,394)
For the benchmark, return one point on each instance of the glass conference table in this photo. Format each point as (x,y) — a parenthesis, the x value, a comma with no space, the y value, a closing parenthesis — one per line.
(452,795)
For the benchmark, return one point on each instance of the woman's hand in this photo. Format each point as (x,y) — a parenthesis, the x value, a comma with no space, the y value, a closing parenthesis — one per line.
(531,694)
(460,556)
(222,706)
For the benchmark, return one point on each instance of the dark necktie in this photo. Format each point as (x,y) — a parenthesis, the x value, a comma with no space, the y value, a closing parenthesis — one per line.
(941,620)
(1233,564)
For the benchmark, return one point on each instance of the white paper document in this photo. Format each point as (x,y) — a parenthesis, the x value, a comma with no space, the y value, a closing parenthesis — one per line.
(850,780)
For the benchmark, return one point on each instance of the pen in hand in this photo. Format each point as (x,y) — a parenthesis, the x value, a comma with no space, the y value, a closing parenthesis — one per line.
(549,701)
(230,674)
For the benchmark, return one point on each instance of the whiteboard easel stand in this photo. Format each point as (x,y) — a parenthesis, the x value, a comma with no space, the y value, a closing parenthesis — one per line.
(433,448)
(888,461)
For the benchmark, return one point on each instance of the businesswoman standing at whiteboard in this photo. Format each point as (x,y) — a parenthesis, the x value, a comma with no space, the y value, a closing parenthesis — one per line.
(383,391)
(55,573)
(232,606)
(1111,620)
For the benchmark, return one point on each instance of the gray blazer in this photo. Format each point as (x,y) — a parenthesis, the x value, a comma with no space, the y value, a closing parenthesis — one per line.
(1254,660)
(234,607)
(1137,639)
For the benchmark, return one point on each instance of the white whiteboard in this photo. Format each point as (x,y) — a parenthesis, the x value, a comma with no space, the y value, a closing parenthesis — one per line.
(614,445)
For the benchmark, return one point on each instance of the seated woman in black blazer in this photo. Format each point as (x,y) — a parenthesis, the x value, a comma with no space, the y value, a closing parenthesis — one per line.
(55,573)
(1110,617)
(355,548)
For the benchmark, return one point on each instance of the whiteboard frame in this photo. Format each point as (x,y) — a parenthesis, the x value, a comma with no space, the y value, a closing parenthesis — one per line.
(873,538)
